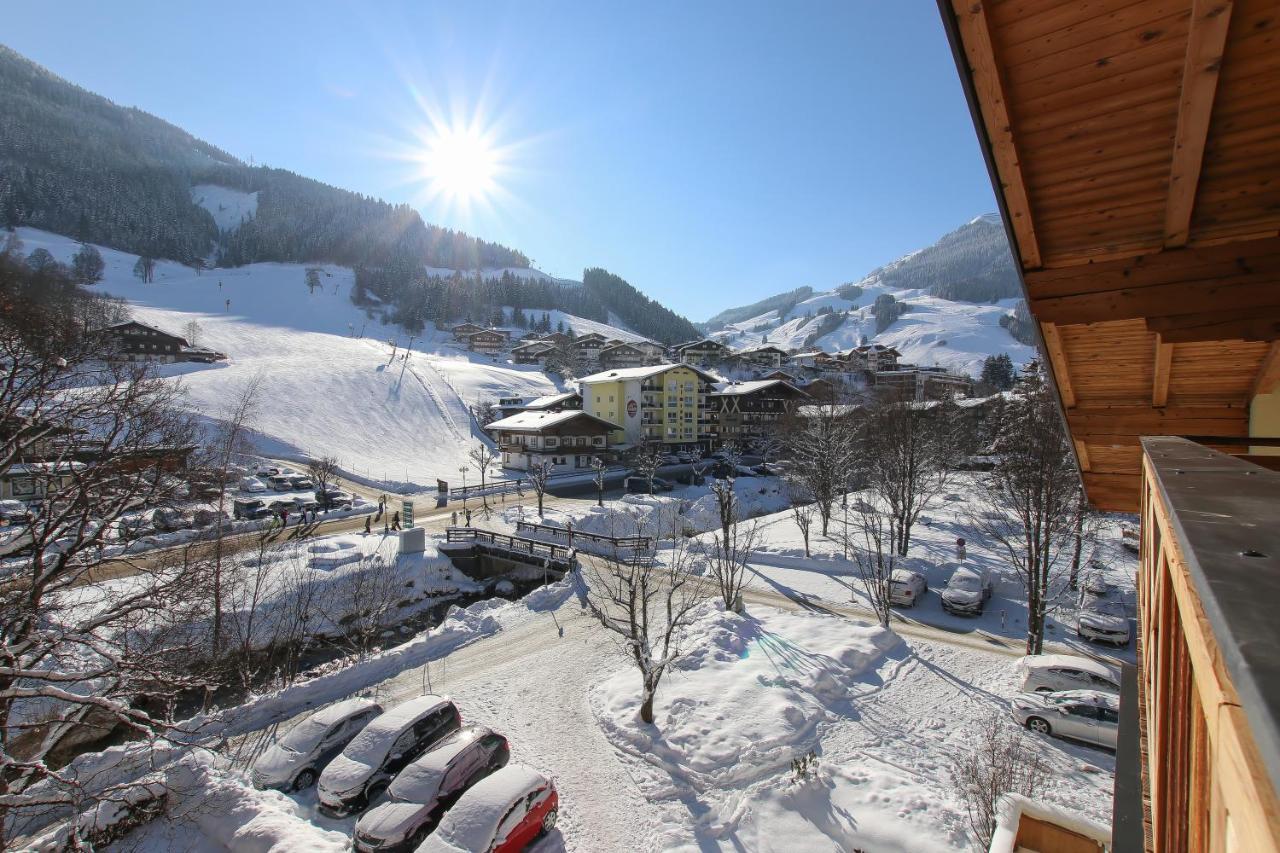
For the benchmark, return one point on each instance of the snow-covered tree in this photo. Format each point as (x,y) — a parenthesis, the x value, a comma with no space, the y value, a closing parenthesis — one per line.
(822,456)
(87,265)
(483,456)
(729,552)
(539,478)
(647,606)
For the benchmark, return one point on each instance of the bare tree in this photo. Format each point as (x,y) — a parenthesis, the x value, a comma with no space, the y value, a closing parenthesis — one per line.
(906,457)
(822,452)
(1027,505)
(647,606)
(362,601)
(599,468)
(729,552)
(645,461)
(999,762)
(145,268)
(312,279)
(802,512)
(874,550)
(482,456)
(191,331)
(229,439)
(94,439)
(323,471)
(539,477)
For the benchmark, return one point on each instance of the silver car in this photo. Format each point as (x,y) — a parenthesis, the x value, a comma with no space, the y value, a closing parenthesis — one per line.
(907,587)
(294,762)
(1102,619)
(1086,715)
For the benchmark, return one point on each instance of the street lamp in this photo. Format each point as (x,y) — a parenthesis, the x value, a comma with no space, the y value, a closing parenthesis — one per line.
(463,472)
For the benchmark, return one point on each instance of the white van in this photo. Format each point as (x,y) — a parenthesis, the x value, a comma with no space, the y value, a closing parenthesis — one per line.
(1051,673)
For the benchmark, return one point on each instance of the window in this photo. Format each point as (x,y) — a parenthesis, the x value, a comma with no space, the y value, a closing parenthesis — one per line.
(1086,711)
(1110,716)
(24,486)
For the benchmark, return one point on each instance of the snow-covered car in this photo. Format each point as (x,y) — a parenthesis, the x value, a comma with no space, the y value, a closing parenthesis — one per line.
(503,813)
(1102,619)
(332,497)
(266,471)
(1055,673)
(280,483)
(302,504)
(302,483)
(295,761)
(907,587)
(366,767)
(14,512)
(252,485)
(249,508)
(1087,715)
(169,519)
(424,791)
(967,592)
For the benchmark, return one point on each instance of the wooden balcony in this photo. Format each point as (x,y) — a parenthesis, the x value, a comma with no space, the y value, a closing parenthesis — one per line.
(1208,652)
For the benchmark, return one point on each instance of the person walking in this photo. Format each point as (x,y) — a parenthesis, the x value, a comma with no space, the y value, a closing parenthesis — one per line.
(453,519)
(395,521)
(468,517)
(368,525)
(284,518)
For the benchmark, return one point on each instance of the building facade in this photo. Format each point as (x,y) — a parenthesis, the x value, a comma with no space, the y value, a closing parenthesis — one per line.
(744,413)
(568,440)
(665,403)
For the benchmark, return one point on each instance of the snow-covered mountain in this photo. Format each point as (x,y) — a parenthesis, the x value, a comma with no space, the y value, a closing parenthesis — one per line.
(947,305)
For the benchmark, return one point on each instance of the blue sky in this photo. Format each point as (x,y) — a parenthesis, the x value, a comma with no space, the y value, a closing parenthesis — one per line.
(712,153)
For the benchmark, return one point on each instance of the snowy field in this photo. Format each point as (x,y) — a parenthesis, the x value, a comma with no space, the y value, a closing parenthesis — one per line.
(328,383)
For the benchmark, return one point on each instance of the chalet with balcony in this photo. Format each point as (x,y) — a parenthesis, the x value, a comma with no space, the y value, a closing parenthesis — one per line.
(134,341)
(707,352)
(1134,150)
(910,382)
(533,352)
(767,357)
(566,401)
(462,331)
(746,412)
(487,341)
(623,355)
(585,350)
(568,440)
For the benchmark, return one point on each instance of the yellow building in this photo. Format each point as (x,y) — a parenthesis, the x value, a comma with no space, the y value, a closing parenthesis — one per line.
(662,403)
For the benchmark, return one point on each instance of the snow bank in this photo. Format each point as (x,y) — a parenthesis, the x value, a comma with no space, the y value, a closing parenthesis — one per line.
(459,628)
(749,696)
(1013,806)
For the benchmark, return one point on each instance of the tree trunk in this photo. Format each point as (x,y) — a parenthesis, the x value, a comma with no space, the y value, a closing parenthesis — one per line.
(1079,547)
(646,708)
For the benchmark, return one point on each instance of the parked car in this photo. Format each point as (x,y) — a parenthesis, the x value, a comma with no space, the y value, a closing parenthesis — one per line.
(967,592)
(425,790)
(1054,673)
(280,482)
(364,769)
(500,814)
(1102,618)
(1087,715)
(302,504)
(252,485)
(907,587)
(333,498)
(277,506)
(668,459)
(766,469)
(684,457)
(169,519)
(14,512)
(266,471)
(294,762)
(249,508)
(639,485)
(302,483)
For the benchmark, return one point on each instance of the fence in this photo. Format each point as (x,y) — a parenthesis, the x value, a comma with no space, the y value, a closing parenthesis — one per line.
(626,548)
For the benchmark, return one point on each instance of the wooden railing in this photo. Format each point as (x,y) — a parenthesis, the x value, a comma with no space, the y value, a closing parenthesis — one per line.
(1208,650)
(621,547)
(517,544)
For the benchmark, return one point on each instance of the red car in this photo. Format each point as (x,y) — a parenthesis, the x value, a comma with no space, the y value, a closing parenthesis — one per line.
(503,813)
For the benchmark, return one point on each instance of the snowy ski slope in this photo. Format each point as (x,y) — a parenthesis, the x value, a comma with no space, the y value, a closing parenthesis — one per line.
(323,391)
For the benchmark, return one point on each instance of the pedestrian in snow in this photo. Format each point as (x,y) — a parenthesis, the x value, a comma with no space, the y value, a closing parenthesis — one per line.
(960,549)
(468,518)
(395,521)
(368,525)
(284,518)
(453,519)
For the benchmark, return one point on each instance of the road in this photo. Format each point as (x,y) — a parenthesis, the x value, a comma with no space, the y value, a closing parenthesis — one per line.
(434,520)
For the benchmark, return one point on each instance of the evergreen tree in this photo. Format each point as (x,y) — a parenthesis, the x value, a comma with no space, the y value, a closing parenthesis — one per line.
(998,372)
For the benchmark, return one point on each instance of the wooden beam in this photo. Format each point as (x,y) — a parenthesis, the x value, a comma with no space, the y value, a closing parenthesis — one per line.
(975,32)
(1082,454)
(1246,324)
(1058,362)
(1206,42)
(1164,362)
(1269,374)
(1124,424)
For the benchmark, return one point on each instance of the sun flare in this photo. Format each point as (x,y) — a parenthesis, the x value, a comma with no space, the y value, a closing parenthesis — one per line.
(460,163)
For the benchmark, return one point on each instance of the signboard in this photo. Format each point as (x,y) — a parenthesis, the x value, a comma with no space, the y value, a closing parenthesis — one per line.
(442,486)
(632,408)
(406,514)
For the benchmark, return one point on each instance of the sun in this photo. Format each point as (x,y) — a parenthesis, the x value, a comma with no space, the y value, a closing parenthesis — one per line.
(460,163)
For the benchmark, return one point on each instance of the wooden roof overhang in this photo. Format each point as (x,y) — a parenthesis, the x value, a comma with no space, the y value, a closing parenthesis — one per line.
(1135,149)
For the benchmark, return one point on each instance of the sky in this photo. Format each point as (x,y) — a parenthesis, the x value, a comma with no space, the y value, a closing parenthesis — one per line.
(712,153)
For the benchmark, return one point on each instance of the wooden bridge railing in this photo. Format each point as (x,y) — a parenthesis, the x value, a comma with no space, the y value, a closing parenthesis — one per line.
(520,544)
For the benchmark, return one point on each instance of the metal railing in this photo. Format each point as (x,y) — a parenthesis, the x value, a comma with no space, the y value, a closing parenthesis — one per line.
(625,548)
(516,544)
